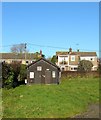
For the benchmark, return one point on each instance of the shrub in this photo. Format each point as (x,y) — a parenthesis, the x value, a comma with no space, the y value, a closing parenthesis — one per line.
(85,66)
(7,75)
(23,73)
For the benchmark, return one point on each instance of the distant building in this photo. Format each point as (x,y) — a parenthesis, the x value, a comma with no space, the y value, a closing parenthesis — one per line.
(20,57)
(69,60)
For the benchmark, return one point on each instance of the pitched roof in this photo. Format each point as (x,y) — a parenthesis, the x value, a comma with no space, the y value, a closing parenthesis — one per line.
(61,53)
(44,60)
(87,53)
(73,53)
(76,53)
(17,56)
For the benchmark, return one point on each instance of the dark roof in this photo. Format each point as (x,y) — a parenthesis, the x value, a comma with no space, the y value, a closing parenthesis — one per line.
(44,60)
(17,56)
(76,53)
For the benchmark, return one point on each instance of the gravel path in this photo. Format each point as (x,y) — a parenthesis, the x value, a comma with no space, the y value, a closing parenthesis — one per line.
(92,112)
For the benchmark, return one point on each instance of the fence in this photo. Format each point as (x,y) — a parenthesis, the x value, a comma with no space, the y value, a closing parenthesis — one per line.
(72,74)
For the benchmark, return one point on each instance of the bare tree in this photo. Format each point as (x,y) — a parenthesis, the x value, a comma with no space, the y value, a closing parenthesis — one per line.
(19,48)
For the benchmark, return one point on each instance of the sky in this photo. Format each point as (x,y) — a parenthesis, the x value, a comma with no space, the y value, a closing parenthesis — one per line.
(51,26)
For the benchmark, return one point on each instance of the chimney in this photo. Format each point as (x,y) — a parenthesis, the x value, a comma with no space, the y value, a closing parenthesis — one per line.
(70,50)
(41,53)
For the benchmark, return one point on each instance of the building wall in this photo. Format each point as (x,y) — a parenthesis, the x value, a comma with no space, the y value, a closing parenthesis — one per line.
(72,65)
(45,66)
(10,60)
(93,60)
(73,62)
(62,59)
(20,60)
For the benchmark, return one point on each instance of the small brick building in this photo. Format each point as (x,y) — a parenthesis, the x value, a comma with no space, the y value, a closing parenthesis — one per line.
(43,71)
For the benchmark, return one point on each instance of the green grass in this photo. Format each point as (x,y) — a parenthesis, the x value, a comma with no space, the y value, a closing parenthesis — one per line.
(67,99)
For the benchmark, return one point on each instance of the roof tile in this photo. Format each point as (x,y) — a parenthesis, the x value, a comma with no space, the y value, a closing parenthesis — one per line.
(17,56)
(76,53)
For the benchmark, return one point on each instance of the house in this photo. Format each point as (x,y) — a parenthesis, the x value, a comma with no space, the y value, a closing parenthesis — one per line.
(23,58)
(69,60)
(43,71)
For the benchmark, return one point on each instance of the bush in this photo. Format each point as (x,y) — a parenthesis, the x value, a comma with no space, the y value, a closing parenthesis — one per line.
(13,74)
(23,72)
(7,76)
(9,81)
(10,74)
(85,66)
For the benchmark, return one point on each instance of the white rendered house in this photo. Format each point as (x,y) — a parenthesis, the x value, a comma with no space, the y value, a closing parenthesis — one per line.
(68,61)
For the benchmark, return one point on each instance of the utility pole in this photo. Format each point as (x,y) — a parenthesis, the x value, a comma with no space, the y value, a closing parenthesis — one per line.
(25,51)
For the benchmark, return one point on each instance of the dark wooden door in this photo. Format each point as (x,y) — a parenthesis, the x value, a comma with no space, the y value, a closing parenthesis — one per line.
(48,77)
(37,77)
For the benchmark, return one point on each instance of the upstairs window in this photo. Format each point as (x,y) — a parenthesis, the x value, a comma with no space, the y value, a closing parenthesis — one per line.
(92,59)
(72,58)
(39,68)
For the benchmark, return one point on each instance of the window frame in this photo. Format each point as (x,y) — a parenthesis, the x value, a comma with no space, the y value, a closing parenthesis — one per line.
(73,58)
(31,75)
(39,68)
(53,74)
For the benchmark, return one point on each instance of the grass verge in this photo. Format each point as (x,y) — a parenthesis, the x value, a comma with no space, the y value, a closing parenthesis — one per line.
(67,99)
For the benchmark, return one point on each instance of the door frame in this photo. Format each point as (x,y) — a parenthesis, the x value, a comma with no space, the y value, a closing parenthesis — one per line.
(48,77)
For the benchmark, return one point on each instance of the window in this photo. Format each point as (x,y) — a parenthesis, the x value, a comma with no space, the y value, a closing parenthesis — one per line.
(53,74)
(31,74)
(26,61)
(39,68)
(92,59)
(75,68)
(72,58)
(72,68)
(63,69)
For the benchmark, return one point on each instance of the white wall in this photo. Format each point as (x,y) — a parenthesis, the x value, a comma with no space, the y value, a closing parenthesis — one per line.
(62,58)
(87,58)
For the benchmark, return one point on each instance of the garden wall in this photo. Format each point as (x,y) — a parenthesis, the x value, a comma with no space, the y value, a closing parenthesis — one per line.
(71,74)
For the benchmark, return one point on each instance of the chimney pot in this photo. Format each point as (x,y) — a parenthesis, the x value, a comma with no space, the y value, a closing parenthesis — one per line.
(41,52)
(70,49)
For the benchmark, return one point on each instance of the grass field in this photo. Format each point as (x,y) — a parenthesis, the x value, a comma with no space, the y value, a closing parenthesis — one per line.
(67,99)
